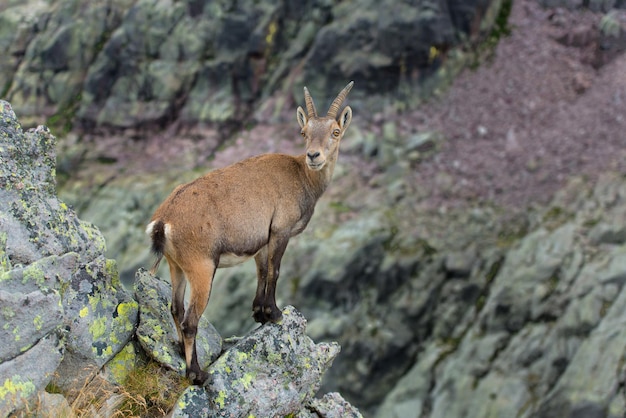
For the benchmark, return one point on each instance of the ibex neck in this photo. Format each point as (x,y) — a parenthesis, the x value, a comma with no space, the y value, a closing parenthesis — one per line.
(319,180)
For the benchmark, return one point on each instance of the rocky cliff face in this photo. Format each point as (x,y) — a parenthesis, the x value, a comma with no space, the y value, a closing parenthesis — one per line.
(147,63)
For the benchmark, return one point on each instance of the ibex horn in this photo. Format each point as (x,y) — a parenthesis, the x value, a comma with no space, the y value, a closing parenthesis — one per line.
(334,107)
(310,106)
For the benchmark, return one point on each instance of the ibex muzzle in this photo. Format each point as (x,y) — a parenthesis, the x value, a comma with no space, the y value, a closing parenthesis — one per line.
(249,209)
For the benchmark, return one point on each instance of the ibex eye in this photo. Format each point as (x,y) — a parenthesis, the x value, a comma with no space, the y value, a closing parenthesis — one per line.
(302,133)
(336,133)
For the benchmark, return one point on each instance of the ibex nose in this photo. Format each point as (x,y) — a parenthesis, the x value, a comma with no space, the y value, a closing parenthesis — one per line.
(313,155)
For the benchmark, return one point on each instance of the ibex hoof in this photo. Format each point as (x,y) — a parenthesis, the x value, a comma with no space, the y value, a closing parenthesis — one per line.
(266,314)
(258,315)
(273,314)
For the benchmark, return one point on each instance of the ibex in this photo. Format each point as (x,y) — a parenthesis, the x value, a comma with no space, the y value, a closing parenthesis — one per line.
(249,209)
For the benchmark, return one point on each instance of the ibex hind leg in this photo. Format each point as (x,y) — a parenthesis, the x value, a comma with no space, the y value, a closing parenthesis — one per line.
(179,283)
(200,278)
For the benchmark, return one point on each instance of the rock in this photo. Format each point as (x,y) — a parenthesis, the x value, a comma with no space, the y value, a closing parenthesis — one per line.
(28,373)
(53,405)
(27,318)
(273,371)
(460,263)
(61,297)
(156,331)
(590,385)
(331,405)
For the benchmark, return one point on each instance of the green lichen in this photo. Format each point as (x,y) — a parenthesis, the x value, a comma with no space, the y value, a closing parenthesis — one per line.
(123,363)
(38,322)
(7,313)
(246,380)
(220,401)
(16,335)
(124,311)
(34,274)
(16,387)
(110,268)
(5,264)
(93,301)
(274,358)
(97,328)
(122,324)
(94,235)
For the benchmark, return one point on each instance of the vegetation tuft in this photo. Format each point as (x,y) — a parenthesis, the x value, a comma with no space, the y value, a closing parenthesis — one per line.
(148,391)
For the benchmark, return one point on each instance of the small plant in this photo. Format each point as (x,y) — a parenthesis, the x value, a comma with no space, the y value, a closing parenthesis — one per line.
(151,391)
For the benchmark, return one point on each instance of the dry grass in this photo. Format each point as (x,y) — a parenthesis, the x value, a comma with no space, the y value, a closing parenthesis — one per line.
(149,391)
(152,391)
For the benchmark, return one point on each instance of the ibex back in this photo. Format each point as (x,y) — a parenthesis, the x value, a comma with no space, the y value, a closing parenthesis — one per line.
(249,209)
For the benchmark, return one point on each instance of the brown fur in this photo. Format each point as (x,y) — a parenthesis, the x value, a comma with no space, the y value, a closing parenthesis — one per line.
(249,209)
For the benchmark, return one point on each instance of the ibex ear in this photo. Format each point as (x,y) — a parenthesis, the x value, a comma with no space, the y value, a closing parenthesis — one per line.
(345,118)
(301,116)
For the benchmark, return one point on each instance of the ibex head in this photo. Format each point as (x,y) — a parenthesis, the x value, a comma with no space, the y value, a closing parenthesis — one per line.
(323,133)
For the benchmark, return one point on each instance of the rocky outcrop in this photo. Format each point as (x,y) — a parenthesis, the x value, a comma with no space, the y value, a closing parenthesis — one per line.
(272,371)
(62,301)
(275,370)
(66,318)
(146,63)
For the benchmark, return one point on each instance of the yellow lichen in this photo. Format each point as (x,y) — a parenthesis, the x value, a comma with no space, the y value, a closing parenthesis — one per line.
(97,328)
(246,380)
(38,322)
(221,399)
(271,32)
(16,386)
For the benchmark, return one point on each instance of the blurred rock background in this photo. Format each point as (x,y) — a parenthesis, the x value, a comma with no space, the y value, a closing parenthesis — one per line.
(467,254)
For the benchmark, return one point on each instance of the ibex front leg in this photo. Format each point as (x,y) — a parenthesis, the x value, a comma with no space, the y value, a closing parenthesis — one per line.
(268,268)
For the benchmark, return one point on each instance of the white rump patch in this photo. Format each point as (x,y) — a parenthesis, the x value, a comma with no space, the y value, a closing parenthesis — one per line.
(167,229)
(149,227)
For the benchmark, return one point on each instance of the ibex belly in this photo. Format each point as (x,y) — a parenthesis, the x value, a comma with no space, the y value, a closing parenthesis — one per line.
(230,259)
